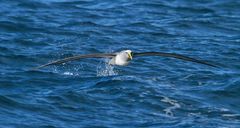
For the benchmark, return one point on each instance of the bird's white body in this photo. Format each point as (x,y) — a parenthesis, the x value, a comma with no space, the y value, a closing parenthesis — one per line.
(122,58)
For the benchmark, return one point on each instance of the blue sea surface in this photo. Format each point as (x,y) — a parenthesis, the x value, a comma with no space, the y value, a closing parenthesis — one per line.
(150,92)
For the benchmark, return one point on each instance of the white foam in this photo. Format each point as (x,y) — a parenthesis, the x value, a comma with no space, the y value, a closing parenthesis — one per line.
(169,110)
(230,115)
(68,73)
(105,70)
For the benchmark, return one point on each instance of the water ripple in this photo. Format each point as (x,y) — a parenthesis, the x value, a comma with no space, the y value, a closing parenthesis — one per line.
(150,92)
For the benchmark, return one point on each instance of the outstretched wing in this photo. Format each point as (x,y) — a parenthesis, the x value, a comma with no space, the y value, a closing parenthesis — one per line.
(104,55)
(173,55)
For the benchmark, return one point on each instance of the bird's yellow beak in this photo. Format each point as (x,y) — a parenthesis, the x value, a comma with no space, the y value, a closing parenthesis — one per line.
(130,55)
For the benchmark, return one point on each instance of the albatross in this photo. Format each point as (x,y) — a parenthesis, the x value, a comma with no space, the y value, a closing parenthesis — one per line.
(124,57)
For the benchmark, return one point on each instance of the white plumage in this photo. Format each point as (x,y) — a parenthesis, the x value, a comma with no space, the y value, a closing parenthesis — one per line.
(122,58)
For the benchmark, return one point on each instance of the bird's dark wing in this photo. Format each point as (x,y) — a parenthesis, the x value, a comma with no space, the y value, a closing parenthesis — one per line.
(173,55)
(104,55)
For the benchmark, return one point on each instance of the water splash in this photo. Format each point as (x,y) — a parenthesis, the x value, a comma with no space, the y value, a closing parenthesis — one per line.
(104,69)
(68,73)
(68,70)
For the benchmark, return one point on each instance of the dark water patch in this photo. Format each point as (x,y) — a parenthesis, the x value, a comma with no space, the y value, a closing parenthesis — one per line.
(32,5)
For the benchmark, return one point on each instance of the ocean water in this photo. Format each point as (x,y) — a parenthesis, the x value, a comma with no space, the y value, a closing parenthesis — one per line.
(150,92)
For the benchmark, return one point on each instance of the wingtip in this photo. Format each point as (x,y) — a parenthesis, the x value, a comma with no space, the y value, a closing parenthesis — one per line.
(33,69)
(36,68)
(215,66)
(211,65)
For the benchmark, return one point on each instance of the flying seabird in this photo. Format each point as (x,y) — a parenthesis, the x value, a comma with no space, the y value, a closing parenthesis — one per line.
(124,57)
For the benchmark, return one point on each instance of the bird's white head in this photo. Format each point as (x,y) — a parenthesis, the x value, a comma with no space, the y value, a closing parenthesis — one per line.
(129,54)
